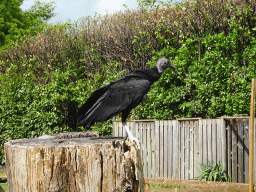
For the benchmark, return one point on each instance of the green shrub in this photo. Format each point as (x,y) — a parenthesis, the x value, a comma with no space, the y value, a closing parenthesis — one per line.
(213,172)
(213,85)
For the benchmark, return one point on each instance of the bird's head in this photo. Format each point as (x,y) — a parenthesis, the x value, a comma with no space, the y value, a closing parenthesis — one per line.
(163,63)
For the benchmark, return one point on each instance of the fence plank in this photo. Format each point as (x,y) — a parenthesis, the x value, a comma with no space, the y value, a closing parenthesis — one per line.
(229,146)
(224,144)
(187,147)
(153,139)
(157,149)
(132,128)
(144,147)
(161,156)
(176,154)
(240,145)
(191,149)
(246,150)
(205,143)
(170,148)
(136,123)
(234,150)
(165,146)
(209,140)
(140,129)
(214,140)
(219,141)
(182,146)
(115,134)
(118,130)
(201,136)
(196,149)
(149,149)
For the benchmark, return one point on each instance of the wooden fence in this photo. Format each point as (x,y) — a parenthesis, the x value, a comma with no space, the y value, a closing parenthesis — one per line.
(173,149)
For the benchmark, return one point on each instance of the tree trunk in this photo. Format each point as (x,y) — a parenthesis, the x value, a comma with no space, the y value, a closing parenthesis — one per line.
(77,161)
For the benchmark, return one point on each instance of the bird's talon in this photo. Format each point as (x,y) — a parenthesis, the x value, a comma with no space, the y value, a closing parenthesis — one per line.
(134,140)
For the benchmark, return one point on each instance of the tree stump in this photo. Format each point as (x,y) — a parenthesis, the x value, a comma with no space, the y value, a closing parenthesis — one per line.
(76,161)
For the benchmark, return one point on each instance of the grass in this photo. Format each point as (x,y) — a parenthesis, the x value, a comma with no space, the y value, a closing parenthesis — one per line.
(3,186)
(152,186)
(3,174)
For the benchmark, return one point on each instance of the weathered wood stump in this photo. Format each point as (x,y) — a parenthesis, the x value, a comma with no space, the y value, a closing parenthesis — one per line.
(77,161)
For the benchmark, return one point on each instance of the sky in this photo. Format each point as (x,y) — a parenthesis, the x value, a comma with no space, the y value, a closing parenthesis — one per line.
(75,9)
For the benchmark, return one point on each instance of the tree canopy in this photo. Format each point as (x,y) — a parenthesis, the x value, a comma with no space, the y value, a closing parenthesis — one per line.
(14,22)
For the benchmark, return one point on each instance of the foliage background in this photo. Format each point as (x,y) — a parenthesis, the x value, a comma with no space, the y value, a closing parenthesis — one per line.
(48,73)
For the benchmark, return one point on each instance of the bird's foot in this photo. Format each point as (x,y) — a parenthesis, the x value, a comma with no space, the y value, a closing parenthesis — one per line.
(136,140)
(132,138)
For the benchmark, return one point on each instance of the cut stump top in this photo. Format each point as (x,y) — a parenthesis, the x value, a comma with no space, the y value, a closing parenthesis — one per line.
(64,139)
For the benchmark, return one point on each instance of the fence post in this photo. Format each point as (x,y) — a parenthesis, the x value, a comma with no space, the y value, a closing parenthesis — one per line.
(251,137)
(224,143)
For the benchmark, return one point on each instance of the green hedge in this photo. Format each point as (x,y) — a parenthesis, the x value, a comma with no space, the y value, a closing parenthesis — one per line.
(213,85)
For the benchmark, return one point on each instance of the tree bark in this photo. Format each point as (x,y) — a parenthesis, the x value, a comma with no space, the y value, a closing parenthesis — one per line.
(77,161)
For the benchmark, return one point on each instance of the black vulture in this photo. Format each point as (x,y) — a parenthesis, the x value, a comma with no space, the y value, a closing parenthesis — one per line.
(121,96)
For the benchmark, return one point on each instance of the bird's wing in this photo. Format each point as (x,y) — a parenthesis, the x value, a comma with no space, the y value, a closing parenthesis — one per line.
(95,96)
(123,94)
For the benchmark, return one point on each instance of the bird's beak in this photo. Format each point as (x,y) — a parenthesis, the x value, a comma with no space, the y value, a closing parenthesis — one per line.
(172,66)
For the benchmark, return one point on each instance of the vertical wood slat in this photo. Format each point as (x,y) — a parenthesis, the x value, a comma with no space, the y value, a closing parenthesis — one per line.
(170,149)
(132,128)
(219,141)
(200,129)
(143,146)
(223,144)
(137,130)
(246,150)
(181,126)
(115,134)
(186,148)
(140,131)
(240,144)
(229,148)
(144,125)
(153,138)
(204,142)
(165,151)
(176,155)
(191,150)
(209,139)
(234,150)
(149,149)
(214,140)
(118,130)
(196,148)
(161,156)
(157,175)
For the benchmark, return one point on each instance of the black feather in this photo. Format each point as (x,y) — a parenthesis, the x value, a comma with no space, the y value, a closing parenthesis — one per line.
(120,96)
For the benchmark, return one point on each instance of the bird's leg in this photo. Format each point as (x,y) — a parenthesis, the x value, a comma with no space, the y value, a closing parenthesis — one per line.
(132,138)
